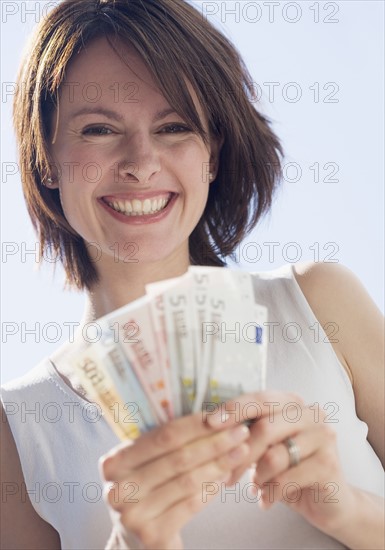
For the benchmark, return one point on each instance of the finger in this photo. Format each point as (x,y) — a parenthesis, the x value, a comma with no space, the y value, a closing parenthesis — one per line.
(318,477)
(158,532)
(185,459)
(269,431)
(276,460)
(248,407)
(127,456)
(186,485)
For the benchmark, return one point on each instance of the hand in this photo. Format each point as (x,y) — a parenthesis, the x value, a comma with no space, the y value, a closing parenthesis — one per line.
(157,480)
(315,487)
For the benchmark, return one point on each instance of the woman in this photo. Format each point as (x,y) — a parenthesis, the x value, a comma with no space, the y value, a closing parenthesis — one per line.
(128,133)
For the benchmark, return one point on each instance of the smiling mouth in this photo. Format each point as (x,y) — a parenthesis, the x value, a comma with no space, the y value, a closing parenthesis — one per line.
(137,207)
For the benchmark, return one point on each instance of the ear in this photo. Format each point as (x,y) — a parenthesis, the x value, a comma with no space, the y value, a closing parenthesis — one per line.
(51,183)
(51,175)
(216,143)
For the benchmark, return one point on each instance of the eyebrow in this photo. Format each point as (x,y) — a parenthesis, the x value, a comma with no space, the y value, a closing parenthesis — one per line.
(116,116)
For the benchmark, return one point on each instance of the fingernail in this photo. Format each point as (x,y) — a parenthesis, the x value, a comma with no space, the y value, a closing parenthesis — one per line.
(217,419)
(255,490)
(252,473)
(226,478)
(264,502)
(240,433)
(238,452)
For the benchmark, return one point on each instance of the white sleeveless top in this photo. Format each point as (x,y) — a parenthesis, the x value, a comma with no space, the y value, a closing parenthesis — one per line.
(60,437)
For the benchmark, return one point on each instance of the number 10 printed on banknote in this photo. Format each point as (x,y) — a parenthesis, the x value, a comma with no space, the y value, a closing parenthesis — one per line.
(190,343)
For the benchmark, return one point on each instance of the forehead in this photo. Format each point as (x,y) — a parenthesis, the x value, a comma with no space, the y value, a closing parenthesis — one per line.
(99,76)
(98,61)
(97,70)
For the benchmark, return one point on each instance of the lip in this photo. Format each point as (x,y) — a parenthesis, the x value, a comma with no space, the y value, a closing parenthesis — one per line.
(138,220)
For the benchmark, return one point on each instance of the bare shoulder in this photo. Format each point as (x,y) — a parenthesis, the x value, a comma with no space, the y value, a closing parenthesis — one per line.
(336,295)
(331,281)
(22,527)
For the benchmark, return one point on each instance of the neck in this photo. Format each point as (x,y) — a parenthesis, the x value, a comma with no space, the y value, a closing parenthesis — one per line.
(121,283)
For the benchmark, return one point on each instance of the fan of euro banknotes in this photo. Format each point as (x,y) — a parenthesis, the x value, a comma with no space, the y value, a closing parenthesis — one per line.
(189,344)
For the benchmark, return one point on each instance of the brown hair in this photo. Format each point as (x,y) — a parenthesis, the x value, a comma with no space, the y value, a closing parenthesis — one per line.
(173,39)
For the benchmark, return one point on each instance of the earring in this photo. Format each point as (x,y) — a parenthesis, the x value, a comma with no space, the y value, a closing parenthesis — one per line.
(49,182)
(211,175)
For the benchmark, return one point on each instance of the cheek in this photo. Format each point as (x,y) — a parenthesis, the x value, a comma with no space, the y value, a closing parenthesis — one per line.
(80,174)
(85,167)
(77,209)
(72,208)
(191,164)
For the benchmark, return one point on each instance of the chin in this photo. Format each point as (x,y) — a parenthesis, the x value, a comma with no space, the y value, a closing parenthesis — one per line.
(136,253)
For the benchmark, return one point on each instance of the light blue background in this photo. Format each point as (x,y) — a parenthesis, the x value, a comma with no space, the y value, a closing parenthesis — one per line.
(349,133)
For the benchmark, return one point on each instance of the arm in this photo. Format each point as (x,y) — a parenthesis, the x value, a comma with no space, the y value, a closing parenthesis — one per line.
(335,294)
(356,517)
(22,527)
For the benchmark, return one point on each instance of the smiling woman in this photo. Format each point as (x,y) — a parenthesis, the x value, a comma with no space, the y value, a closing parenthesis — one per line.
(130,55)
(129,136)
(146,157)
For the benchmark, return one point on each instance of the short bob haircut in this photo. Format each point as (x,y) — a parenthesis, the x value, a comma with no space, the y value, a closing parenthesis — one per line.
(174,40)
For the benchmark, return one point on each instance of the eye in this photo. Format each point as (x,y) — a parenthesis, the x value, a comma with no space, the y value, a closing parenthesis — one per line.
(96,131)
(175,129)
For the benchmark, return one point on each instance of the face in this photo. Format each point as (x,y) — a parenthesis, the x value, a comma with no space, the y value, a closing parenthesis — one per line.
(133,177)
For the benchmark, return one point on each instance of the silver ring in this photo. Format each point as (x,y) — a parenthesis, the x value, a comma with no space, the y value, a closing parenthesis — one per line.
(293,450)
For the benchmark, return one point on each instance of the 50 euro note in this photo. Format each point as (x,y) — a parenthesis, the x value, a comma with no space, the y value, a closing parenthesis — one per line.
(192,340)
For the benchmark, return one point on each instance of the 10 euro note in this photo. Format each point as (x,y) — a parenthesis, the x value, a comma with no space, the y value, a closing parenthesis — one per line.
(136,404)
(134,325)
(90,365)
(191,342)
(173,299)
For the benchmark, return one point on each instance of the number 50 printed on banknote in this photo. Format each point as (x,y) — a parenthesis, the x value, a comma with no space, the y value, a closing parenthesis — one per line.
(190,341)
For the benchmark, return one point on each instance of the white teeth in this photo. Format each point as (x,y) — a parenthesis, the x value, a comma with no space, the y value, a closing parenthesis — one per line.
(137,207)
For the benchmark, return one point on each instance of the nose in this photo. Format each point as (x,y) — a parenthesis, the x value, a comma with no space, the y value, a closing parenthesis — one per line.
(140,160)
